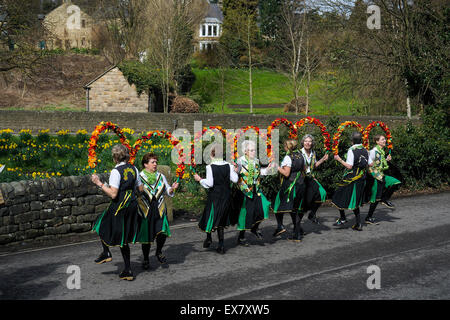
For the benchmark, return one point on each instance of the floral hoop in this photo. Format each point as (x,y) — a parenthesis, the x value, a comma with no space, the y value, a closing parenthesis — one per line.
(325,134)
(274,124)
(173,141)
(337,135)
(200,134)
(92,155)
(240,133)
(385,128)
(102,126)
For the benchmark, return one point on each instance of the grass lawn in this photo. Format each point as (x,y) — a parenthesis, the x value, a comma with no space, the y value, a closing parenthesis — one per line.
(269,87)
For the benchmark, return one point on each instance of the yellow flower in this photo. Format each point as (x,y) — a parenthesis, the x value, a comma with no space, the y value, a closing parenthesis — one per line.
(62,132)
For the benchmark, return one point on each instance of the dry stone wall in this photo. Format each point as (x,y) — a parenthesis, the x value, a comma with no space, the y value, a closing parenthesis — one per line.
(51,209)
(73,121)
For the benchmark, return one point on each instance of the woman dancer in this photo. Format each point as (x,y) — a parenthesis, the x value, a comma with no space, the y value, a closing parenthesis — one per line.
(290,196)
(216,213)
(349,195)
(253,206)
(380,187)
(118,224)
(315,194)
(153,210)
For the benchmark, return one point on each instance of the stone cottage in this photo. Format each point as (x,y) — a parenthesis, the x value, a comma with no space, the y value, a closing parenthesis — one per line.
(70,27)
(111,92)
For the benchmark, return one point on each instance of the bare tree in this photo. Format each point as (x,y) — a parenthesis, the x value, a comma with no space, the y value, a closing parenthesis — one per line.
(20,34)
(290,43)
(123,24)
(240,34)
(169,38)
(411,46)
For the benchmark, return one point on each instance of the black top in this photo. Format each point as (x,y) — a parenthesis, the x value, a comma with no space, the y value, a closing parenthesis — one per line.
(298,164)
(128,178)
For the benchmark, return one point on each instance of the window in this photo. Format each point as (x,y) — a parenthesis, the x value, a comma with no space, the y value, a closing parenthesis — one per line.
(210,30)
(203,30)
(83,41)
(215,31)
(83,23)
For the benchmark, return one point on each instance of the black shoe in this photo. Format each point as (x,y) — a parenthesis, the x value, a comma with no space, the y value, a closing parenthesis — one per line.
(388,204)
(242,242)
(161,258)
(357,227)
(103,257)
(207,243)
(220,249)
(279,231)
(314,220)
(127,275)
(295,238)
(340,222)
(145,265)
(257,234)
(370,220)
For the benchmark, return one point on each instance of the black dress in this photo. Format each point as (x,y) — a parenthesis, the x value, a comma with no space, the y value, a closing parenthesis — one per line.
(315,194)
(153,210)
(249,204)
(118,224)
(350,193)
(289,198)
(216,212)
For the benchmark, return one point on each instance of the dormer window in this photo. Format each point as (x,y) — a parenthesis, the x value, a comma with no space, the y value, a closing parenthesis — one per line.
(209,30)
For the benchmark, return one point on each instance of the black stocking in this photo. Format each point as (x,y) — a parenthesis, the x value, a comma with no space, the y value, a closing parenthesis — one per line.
(125,250)
(160,240)
(220,236)
(146,250)
(372,208)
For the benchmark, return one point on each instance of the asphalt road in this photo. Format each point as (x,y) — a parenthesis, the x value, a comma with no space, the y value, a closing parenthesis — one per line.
(411,247)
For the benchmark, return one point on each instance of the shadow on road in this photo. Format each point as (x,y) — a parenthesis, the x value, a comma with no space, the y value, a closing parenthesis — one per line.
(29,282)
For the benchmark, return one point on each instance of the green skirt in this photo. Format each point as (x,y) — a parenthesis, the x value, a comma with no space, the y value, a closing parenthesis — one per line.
(252,211)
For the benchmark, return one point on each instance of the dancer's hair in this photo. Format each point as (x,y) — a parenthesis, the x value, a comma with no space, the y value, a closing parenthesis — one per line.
(120,153)
(216,149)
(290,144)
(377,137)
(247,144)
(356,137)
(306,136)
(147,157)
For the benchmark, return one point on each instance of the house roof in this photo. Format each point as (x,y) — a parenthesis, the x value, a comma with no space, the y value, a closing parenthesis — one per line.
(214,11)
(87,85)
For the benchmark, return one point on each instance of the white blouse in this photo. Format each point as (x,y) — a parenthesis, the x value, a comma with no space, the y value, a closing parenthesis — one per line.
(209,181)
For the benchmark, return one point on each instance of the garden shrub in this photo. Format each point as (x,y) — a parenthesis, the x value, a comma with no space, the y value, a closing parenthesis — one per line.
(184,105)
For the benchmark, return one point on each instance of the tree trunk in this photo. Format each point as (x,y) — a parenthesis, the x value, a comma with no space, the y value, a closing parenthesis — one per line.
(250,65)
(308,79)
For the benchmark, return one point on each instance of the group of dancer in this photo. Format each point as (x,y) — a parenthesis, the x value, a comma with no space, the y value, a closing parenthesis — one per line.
(138,213)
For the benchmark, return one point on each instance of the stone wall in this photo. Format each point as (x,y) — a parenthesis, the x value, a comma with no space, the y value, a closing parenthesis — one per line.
(55,121)
(53,209)
(113,93)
